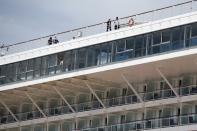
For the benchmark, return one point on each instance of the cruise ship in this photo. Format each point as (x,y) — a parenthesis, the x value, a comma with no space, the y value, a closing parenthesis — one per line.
(139,77)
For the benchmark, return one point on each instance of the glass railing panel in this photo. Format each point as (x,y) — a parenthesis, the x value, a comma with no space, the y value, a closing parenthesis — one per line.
(185,91)
(174,121)
(123,100)
(4,119)
(168,93)
(10,119)
(65,110)
(37,114)
(184,120)
(165,122)
(193,90)
(189,119)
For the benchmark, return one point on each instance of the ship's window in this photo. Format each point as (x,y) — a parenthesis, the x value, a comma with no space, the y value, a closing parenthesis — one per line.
(156,38)
(139,46)
(176,34)
(60,58)
(44,65)
(81,58)
(3,74)
(130,44)
(68,61)
(52,60)
(124,91)
(30,64)
(90,56)
(194,30)
(11,73)
(166,36)
(120,45)
(3,71)
(96,55)
(106,50)
(194,35)
(22,65)
(37,67)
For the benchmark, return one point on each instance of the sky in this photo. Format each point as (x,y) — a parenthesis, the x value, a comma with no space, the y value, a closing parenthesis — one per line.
(21,20)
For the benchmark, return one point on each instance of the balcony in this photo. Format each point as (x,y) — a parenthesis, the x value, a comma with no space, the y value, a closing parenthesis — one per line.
(148,124)
(94,105)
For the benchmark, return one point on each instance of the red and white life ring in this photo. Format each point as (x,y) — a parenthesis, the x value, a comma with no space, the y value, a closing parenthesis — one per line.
(131,22)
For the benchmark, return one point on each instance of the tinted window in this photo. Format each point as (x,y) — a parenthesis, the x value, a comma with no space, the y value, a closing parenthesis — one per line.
(194,30)
(156,38)
(166,36)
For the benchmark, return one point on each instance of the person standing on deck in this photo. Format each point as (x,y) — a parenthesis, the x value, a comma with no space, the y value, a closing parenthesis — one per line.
(109,25)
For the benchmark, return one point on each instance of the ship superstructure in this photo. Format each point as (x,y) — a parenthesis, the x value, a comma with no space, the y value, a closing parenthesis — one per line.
(142,77)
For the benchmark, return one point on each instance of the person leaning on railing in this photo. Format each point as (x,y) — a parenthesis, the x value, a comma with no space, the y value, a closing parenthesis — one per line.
(50,41)
(55,41)
(131,22)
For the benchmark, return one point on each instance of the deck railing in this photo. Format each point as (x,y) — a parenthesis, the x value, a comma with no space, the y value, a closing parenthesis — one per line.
(139,18)
(110,102)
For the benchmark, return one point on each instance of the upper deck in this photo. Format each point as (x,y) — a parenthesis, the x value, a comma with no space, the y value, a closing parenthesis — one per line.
(92,31)
(128,43)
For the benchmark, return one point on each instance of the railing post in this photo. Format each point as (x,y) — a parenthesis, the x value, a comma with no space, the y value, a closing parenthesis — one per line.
(132,88)
(31,99)
(64,99)
(92,91)
(8,109)
(166,80)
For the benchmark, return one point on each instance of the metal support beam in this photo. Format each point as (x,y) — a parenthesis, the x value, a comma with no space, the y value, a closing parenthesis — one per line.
(31,99)
(7,108)
(132,88)
(166,80)
(92,91)
(63,98)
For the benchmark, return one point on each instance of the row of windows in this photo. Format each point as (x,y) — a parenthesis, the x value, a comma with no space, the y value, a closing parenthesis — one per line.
(100,54)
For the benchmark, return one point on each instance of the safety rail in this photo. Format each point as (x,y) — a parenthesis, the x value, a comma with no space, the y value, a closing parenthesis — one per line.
(148,124)
(140,18)
(93,105)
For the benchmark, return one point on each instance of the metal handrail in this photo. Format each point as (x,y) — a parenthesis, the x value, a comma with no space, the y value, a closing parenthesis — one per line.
(95,25)
(48,110)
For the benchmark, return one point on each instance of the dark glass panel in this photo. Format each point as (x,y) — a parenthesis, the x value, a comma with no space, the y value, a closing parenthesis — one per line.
(30,65)
(194,30)
(140,46)
(130,43)
(106,51)
(188,36)
(149,39)
(81,58)
(3,73)
(22,66)
(44,65)
(166,36)
(177,38)
(37,67)
(156,38)
(90,56)
(69,58)
(120,45)
(11,73)
(52,60)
